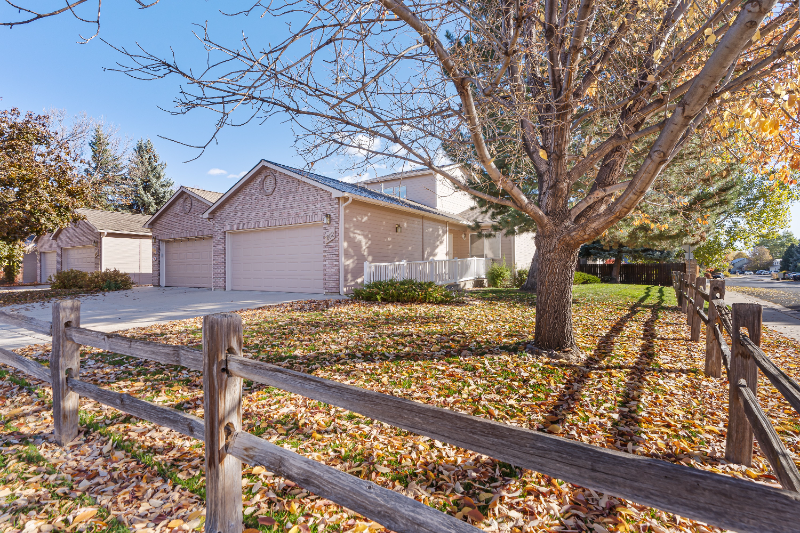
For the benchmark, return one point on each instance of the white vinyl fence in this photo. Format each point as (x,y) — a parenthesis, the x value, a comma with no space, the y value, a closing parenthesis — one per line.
(440,271)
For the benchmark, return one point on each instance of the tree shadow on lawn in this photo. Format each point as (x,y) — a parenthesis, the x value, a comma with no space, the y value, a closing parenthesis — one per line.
(572,389)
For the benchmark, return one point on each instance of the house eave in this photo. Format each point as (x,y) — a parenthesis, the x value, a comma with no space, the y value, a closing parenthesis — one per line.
(170,201)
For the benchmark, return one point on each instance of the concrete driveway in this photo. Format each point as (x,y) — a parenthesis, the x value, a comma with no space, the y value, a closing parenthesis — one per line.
(143,306)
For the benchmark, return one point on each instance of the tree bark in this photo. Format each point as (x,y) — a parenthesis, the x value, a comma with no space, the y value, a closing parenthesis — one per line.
(555,274)
(615,268)
(530,284)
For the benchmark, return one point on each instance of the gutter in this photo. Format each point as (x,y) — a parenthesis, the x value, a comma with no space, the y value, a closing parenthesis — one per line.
(341,241)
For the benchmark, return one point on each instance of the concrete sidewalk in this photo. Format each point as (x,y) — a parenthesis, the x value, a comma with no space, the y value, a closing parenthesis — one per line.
(777,317)
(144,306)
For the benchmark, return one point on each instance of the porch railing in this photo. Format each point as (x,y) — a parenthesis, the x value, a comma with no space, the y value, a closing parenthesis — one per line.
(439,271)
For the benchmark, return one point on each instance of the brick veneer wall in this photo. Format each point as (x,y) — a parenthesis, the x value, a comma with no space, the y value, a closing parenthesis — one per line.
(174,223)
(79,234)
(292,202)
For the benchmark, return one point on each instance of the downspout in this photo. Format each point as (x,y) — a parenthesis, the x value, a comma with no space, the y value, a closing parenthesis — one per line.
(342,205)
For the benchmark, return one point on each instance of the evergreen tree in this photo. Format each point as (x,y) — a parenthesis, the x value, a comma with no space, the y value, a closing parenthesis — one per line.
(150,185)
(106,171)
(789,259)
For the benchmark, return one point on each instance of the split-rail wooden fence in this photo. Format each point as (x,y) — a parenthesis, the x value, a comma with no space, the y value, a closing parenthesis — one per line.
(742,361)
(728,502)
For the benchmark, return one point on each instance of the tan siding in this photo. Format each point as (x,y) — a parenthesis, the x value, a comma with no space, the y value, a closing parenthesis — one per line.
(420,189)
(434,239)
(451,199)
(525,246)
(370,235)
(129,255)
(460,245)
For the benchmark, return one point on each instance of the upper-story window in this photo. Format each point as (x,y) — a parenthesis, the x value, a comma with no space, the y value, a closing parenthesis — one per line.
(395,191)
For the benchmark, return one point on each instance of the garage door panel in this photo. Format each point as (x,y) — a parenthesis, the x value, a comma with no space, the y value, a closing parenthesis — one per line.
(48,265)
(78,258)
(188,263)
(283,259)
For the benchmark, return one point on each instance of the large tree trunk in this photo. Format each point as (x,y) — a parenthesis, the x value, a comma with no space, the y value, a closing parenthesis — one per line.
(530,283)
(615,268)
(556,272)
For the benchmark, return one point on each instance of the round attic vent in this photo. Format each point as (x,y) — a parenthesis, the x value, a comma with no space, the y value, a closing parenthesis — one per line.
(268,184)
(187,205)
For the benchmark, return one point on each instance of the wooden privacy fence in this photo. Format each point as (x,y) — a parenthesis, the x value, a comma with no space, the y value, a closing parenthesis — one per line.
(728,502)
(640,274)
(742,361)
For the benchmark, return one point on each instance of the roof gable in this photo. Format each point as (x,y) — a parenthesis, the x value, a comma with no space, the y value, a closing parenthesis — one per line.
(115,222)
(207,197)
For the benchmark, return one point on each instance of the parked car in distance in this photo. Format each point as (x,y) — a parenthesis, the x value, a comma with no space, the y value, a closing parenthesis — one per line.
(795,276)
(718,275)
(748,272)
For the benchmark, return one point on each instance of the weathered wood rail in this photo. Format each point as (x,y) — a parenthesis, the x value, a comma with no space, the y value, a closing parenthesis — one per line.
(713,498)
(747,421)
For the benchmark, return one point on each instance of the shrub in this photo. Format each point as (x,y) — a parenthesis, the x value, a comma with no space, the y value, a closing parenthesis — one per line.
(521,277)
(498,274)
(108,280)
(405,291)
(582,278)
(69,279)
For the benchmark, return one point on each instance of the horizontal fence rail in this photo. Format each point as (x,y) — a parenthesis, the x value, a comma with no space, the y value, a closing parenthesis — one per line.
(747,421)
(713,498)
(439,271)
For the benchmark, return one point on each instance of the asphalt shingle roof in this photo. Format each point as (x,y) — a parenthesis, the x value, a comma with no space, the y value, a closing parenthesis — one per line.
(357,190)
(211,196)
(115,221)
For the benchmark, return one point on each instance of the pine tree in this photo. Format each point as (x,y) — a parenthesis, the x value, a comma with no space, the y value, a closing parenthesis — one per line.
(106,172)
(151,187)
(789,259)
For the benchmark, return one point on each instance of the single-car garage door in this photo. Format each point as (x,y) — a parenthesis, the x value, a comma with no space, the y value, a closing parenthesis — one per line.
(282,259)
(47,264)
(188,263)
(78,258)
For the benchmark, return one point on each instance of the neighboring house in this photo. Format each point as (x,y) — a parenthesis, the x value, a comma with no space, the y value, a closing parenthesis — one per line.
(103,240)
(740,263)
(284,229)
(776,265)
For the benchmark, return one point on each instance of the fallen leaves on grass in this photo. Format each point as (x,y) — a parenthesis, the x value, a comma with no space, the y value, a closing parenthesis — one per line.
(640,391)
(19,297)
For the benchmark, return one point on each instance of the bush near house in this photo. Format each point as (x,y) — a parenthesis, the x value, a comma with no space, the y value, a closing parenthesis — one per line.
(405,291)
(582,278)
(108,280)
(498,275)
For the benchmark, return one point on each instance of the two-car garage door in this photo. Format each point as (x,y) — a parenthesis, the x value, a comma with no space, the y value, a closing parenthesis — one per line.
(281,259)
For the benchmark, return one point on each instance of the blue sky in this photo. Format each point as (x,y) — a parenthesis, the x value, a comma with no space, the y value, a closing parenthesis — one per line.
(44,67)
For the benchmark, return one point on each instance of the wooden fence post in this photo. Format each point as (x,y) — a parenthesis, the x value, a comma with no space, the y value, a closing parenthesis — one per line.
(65,357)
(222,335)
(681,299)
(716,291)
(690,277)
(699,283)
(739,441)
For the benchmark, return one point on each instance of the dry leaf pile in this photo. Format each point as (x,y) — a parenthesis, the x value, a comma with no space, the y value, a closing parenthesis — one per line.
(16,297)
(640,391)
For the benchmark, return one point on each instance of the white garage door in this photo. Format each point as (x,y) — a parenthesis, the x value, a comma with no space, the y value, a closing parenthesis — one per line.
(78,258)
(284,259)
(48,265)
(188,263)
